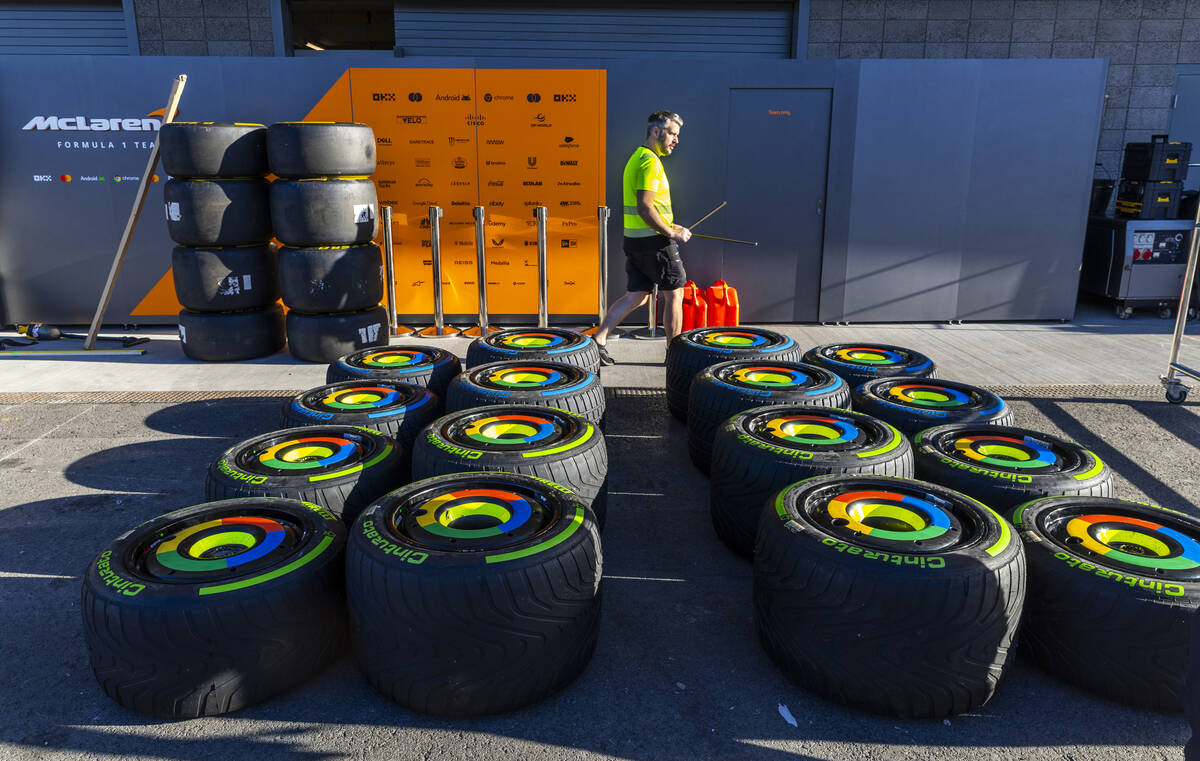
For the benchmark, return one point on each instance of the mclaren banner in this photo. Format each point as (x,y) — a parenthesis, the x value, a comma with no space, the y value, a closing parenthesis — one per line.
(79,131)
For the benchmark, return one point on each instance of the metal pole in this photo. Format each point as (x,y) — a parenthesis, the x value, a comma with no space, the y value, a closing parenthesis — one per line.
(439,329)
(482,328)
(543,275)
(651,330)
(1185,299)
(602,215)
(138,199)
(389,269)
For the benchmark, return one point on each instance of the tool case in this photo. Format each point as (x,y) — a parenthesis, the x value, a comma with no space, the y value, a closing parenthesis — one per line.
(1157,160)
(1148,200)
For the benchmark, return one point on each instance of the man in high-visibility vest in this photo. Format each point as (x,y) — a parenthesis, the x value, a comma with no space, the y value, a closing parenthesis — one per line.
(652,238)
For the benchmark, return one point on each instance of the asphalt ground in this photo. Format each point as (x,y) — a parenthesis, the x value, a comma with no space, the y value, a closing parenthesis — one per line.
(678,672)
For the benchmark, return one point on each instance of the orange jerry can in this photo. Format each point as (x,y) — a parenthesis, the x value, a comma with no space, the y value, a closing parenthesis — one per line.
(695,308)
(722,301)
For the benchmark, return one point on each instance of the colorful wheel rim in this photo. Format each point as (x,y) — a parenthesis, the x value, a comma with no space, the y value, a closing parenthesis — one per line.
(1138,543)
(773,376)
(320,454)
(809,431)
(727,338)
(476,512)
(509,429)
(535,340)
(376,399)
(396,359)
(211,548)
(895,516)
(928,395)
(871,356)
(1016,453)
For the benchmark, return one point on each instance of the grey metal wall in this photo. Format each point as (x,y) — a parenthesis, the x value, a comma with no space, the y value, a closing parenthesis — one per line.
(50,27)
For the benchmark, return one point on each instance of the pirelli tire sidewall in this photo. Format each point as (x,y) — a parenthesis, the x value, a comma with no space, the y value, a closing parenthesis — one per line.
(426,366)
(232,336)
(331,278)
(320,149)
(401,418)
(1003,488)
(185,648)
(325,337)
(217,212)
(940,662)
(982,406)
(535,601)
(213,149)
(907,362)
(688,354)
(225,279)
(557,345)
(324,211)
(578,390)
(1113,631)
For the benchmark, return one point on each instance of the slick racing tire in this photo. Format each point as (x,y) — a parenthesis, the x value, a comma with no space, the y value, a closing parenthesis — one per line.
(339,467)
(474,593)
(535,345)
(215,607)
(231,336)
(1112,588)
(1003,467)
(320,149)
(763,449)
(537,441)
(326,337)
(861,362)
(393,408)
(202,213)
(693,350)
(225,279)
(324,211)
(331,278)
(893,596)
(542,384)
(727,388)
(426,366)
(914,404)
(213,149)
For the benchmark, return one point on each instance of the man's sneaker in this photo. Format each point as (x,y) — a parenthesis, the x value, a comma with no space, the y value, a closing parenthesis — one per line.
(605,357)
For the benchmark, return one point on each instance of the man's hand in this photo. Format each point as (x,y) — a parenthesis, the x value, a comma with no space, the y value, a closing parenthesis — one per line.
(680,233)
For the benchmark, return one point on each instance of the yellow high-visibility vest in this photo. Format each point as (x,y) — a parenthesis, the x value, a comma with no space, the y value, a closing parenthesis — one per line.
(644,171)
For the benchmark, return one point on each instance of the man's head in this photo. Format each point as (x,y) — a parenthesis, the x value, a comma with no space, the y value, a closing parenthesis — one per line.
(662,132)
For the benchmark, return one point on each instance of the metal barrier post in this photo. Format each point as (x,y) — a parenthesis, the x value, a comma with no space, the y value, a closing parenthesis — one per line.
(651,330)
(439,329)
(543,275)
(482,328)
(602,214)
(389,273)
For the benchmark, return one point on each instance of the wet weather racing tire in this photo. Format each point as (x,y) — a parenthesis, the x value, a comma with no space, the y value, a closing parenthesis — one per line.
(1112,586)
(537,441)
(861,362)
(535,345)
(215,607)
(217,212)
(893,596)
(324,211)
(914,404)
(474,593)
(761,450)
(213,149)
(397,409)
(426,366)
(331,278)
(541,384)
(326,337)
(727,388)
(225,279)
(231,336)
(339,467)
(1003,467)
(320,149)
(693,350)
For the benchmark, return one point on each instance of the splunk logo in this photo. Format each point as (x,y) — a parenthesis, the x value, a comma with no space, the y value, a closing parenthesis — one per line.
(92,124)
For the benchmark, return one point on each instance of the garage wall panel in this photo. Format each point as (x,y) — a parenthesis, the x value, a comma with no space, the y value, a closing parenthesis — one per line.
(63,28)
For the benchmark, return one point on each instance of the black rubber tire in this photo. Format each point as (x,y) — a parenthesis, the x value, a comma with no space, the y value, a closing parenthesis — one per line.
(535,441)
(320,149)
(331,278)
(225,279)
(339,467)
(326,337)
(325,211)
(861,362)
(483,621)
(393,408)
(202,213)
(542,384)
(176,641)
(915,628)
(914,404)
(535,345)
(231,336)
(1111,622)
(761,450)
(1003,467)
(213,149)
(726,388)
(426,366)
(693,350)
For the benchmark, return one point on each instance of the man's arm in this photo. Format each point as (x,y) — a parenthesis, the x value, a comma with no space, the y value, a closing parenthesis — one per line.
(645,207)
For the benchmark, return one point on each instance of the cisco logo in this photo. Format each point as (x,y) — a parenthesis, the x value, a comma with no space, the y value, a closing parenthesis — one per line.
(388,96)
(564,97)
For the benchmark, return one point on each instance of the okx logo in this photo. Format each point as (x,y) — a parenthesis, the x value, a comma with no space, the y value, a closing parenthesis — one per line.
(568,97)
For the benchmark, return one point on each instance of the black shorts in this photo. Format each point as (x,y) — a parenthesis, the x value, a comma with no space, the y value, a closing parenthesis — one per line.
(653,261)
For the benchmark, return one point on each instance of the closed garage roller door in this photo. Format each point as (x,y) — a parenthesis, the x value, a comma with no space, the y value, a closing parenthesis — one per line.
(64,28)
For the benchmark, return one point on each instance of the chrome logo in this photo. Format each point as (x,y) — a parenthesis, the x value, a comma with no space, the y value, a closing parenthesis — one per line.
(928,395)
(1135,541)
(532,340)
(363,398)
(813,430)
(473,513)
(889,515)
(525,377)
(509,429)
(220,544)
(396,358)
(869,355)
(768,376)
(733,339)
(308,453)
(1006,451)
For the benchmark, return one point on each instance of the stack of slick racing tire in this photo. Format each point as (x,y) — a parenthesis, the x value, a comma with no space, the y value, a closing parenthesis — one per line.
(324,208)
(217,210)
